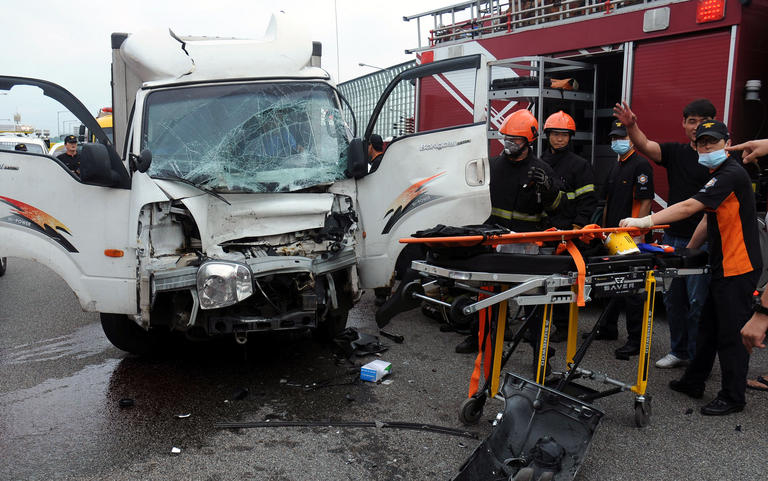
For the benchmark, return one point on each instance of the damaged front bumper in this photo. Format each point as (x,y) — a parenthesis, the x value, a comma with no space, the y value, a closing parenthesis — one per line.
(245,316)
(540,430)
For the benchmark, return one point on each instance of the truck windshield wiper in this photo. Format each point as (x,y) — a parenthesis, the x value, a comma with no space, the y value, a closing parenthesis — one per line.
(193,184)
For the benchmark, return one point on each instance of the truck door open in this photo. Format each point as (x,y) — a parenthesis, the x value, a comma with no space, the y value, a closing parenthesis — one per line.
(78,227)
(435,166)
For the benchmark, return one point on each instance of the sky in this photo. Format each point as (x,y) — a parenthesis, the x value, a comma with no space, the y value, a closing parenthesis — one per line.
(68,42)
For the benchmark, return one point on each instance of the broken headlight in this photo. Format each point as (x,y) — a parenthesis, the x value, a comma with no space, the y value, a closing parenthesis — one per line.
(221,284)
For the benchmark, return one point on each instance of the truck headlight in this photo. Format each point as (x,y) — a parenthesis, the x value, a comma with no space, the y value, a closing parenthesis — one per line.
(221,284)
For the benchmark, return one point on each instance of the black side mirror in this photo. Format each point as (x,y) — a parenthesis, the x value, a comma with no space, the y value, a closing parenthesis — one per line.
(357,164)
(95,166)
(142,161)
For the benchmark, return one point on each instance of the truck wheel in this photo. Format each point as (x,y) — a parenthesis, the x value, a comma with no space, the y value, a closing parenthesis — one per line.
(3,265)
(125,334)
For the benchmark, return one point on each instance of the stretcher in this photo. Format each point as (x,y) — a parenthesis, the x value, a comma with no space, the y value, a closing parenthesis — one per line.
(492,281)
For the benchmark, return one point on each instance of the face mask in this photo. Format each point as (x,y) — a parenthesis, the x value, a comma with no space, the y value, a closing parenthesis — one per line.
(621,147)
(511,148)
(712,160)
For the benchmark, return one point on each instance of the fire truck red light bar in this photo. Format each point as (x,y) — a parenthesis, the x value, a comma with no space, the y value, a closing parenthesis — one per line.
(710,10)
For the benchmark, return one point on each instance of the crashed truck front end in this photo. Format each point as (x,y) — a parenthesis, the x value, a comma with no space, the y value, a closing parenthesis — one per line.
(257,232)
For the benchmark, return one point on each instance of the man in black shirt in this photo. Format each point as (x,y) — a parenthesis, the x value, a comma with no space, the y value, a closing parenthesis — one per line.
(71,157)
(628,193)
(685,297)
(730,228)
(375,152)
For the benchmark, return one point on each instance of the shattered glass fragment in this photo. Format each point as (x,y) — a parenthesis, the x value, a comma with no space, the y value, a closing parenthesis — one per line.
(254,137)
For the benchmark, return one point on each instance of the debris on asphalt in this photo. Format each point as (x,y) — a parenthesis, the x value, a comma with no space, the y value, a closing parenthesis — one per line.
(126,402)
(239,394)
(349,397)
(387,382)
(354,343)
(738,427)
(375,370)
(462,445)
(175,450)
(394,337)
(349,424)
(183,416)
(689,411)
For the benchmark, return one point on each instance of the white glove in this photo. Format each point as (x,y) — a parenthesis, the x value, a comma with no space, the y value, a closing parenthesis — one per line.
(641,222)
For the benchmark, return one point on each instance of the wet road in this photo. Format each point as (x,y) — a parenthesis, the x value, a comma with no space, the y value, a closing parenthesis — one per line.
(61,383)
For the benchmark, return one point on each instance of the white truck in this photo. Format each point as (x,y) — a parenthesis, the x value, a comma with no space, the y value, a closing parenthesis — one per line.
(234,198)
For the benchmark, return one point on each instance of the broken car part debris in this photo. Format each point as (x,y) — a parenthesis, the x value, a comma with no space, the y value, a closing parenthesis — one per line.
(350,424)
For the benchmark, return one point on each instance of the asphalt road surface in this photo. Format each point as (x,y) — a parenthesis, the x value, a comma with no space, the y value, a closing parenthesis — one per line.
(61,383)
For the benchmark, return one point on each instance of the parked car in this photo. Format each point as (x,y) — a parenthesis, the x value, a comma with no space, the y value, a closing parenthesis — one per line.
(34,145)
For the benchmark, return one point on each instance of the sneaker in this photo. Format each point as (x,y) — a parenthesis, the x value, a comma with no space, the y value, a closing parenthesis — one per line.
(671,361)
(721,407)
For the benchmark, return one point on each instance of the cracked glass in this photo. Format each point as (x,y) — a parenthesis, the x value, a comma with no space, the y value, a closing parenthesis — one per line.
(257,137)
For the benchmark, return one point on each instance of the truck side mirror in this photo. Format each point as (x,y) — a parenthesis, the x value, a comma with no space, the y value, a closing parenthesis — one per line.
(142,161)
(96,167)
(357,163)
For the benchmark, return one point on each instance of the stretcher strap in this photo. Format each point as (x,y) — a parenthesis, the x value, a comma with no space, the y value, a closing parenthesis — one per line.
(474,381)
(581,268)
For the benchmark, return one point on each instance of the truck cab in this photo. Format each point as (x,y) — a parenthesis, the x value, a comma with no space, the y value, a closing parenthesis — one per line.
(234,197)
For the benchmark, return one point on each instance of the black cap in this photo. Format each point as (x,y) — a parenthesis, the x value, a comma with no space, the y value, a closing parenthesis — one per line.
(21,147)
(70,139)
(376,142)
(617,128)
(712,128)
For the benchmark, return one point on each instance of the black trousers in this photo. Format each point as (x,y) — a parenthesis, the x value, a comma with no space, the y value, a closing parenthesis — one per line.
(633,311)
(727,308)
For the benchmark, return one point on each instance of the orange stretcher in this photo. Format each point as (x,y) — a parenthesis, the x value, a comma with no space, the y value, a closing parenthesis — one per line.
(494,279)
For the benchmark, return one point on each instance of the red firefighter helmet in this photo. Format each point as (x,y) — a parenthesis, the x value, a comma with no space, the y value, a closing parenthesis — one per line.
(560,121)
(520,123)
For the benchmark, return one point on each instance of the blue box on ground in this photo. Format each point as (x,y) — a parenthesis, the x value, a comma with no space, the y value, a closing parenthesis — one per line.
(375,370)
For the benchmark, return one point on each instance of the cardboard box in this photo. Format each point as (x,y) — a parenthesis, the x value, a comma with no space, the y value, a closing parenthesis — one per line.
(375,370)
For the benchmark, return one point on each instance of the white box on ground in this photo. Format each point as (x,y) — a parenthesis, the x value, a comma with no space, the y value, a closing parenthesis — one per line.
(375,370)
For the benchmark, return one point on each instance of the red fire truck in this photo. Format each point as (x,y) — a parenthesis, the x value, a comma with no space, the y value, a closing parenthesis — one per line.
(658,55)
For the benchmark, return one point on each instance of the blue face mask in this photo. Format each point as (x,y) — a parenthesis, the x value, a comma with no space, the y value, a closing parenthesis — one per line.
(712,160)
(621,147)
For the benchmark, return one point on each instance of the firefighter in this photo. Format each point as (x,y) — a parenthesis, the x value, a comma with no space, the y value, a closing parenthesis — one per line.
(628,193)
(735,262)
(523,188)
(578,186)
(685,176)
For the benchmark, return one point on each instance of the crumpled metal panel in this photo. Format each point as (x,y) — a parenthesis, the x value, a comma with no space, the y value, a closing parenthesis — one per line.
(533,412)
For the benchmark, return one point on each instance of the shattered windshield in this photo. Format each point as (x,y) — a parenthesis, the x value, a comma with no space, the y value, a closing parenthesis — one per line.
(257,137)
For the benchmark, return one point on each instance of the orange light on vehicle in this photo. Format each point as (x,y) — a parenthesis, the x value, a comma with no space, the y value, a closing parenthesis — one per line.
(113,253)
(710,10)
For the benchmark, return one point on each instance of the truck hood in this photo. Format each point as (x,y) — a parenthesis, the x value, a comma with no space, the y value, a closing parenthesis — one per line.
(256,215)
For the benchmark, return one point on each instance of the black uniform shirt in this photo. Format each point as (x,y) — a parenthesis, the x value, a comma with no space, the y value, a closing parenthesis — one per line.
(685,177)
(516,201)
(577,182)
(734,245)
(71,161)
(630,181)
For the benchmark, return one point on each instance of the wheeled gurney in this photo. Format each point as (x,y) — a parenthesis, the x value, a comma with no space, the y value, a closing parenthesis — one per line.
(491,280)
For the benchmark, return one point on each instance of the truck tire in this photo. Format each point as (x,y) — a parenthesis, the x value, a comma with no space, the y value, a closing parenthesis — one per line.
(125,334)
(3,265)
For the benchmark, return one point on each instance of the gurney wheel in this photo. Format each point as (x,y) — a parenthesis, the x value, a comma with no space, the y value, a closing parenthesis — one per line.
(458,318)
(471,410)
(643,412)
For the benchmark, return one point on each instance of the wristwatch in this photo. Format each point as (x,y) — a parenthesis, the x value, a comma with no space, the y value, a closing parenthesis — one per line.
(758,307)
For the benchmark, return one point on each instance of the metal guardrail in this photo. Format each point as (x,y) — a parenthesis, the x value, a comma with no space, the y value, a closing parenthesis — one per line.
(487,17)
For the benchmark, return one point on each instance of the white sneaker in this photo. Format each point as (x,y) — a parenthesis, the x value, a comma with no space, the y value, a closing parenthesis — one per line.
(671,361)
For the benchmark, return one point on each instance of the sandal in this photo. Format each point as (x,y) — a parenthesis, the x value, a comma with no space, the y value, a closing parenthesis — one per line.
(759,380)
